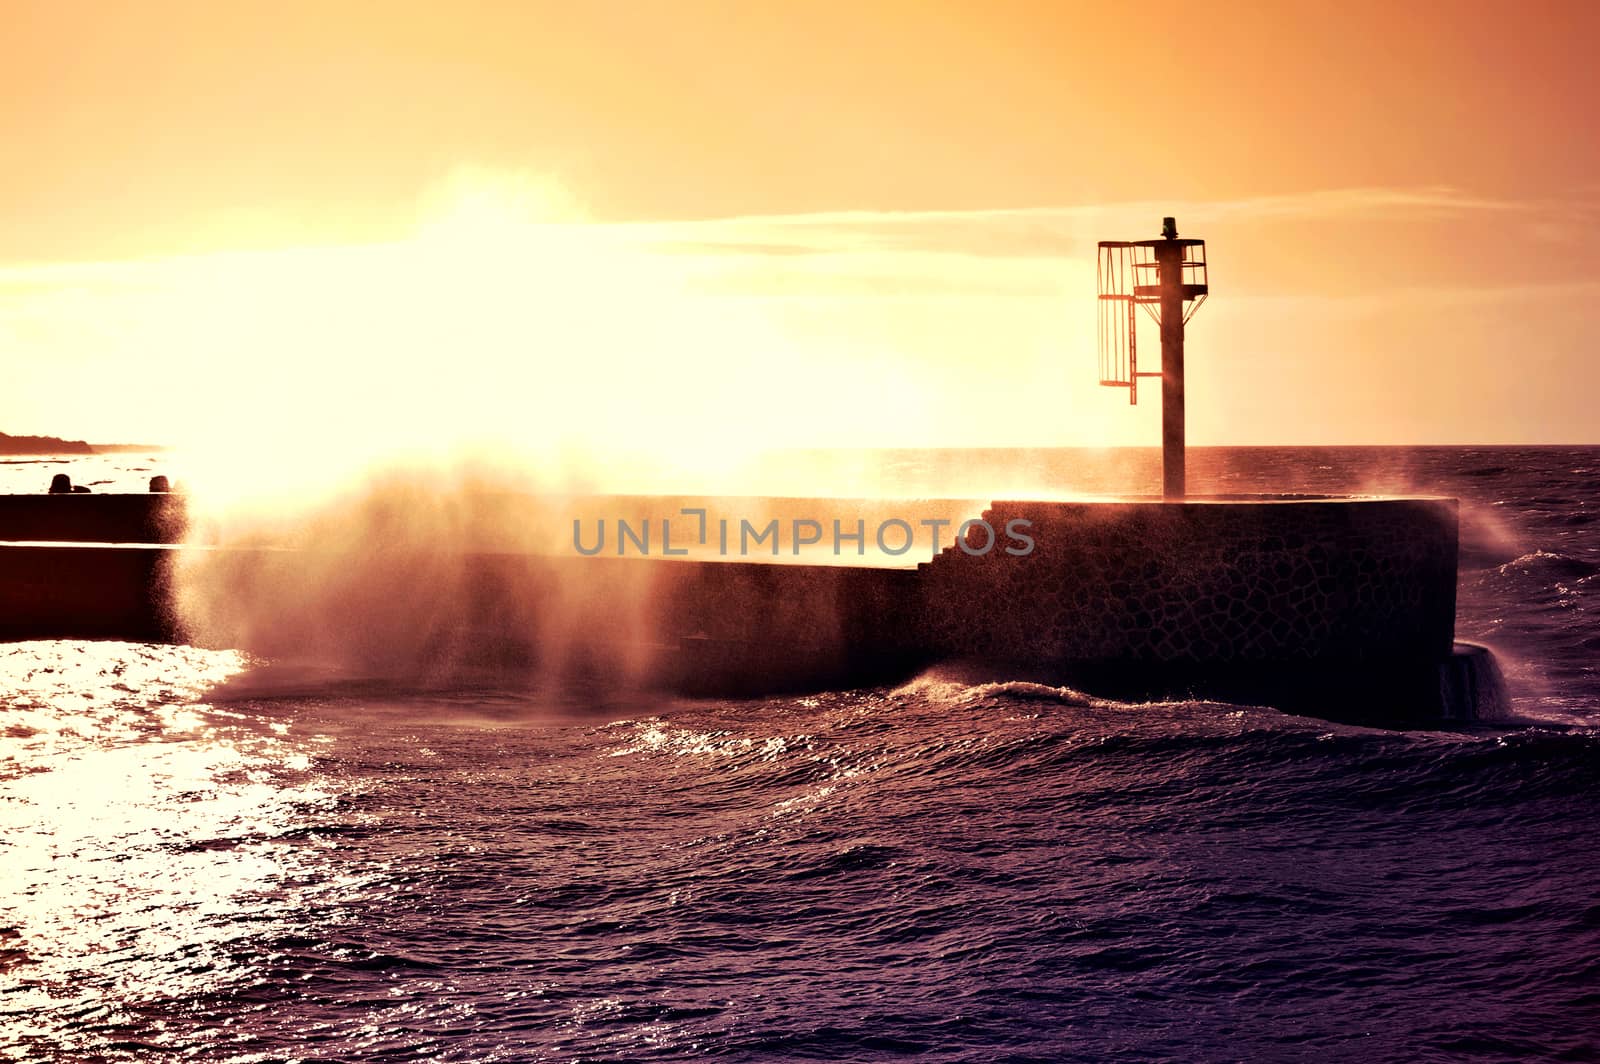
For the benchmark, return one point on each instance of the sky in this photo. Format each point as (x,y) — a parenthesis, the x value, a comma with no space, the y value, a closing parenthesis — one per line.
(699,228)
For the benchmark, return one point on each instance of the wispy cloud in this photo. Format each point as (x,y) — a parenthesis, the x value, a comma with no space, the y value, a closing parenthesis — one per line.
(1054,230)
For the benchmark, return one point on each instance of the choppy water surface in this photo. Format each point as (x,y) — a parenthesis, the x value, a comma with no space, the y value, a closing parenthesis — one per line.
(206,859)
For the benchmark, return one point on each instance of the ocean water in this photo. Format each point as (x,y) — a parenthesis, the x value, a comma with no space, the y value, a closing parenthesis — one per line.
(204,859)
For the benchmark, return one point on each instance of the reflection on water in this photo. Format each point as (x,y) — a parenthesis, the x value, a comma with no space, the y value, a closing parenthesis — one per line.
(144,835)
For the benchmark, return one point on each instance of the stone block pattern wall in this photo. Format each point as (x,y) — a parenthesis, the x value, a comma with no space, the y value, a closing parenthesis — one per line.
(1215,581)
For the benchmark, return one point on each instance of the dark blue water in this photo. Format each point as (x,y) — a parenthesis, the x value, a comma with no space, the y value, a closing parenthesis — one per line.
(959,869)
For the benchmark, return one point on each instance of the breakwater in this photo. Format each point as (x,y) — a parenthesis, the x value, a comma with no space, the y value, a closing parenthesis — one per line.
(1341,605)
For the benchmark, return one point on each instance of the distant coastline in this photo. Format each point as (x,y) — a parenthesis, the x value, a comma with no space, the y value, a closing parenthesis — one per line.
(125,448)
(47,445)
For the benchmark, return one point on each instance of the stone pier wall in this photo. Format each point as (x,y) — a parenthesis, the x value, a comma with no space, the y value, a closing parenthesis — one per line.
(1258,579)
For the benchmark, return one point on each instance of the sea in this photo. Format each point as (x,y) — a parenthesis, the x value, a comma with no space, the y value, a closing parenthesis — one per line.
(196,866)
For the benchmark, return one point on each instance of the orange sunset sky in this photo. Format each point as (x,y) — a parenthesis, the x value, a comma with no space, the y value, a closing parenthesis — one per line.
(780,224)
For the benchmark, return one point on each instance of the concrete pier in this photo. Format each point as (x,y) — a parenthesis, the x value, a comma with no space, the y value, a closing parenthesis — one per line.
(1342,606)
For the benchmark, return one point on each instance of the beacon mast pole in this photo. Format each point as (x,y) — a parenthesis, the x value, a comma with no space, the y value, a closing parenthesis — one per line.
(1167,279)
(1169,268)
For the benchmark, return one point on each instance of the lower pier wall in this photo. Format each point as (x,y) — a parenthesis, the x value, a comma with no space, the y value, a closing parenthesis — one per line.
(85,591)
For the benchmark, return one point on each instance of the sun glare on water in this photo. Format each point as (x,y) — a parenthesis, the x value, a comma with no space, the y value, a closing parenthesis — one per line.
(143,828)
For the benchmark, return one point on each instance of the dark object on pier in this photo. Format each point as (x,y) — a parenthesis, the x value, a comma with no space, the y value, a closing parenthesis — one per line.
(61,484)
(158,483)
